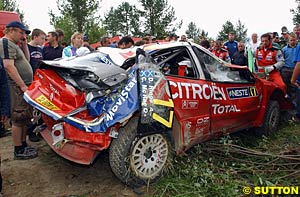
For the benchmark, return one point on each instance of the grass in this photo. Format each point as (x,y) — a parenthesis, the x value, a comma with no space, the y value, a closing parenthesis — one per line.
(223,167)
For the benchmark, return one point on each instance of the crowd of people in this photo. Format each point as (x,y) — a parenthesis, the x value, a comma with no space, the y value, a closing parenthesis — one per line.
(278,57)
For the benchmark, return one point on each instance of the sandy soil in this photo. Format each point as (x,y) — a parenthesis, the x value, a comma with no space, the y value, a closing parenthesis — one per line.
(50,175)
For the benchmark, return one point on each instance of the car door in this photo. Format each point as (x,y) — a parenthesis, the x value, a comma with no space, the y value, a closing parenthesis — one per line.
(238,101)
(191,97)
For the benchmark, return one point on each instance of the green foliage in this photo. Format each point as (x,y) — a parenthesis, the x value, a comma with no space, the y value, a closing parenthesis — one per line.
(158,18)
(223,167)
(77,15)
(296,13)
(195,33)
(239,30)
(192,31)
(226,28)
(123,20)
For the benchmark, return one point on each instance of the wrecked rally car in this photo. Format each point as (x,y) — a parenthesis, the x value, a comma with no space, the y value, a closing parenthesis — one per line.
(146,105)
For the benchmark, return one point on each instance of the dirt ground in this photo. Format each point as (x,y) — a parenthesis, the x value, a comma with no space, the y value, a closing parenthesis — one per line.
(50,175)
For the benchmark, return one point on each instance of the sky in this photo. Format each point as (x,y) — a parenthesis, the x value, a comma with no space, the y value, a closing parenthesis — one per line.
(258,16)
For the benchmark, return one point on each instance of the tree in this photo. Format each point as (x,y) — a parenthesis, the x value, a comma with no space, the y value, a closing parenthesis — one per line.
(195,33)
(12,6)
(158,18)
(76,15)
(192,31)
(123,20)
(296,13)
(239,31)
(226,28)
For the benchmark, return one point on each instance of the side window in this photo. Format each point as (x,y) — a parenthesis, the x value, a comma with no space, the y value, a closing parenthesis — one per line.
(216,70)
(177,62)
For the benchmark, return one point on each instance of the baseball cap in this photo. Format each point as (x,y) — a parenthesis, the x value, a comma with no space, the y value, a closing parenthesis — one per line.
(85,37)
(19,25)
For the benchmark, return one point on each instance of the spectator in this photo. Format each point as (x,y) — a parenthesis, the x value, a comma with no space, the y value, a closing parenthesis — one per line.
(231,45)
(86,42)
(104,41)
(173,37)
(54,50)
(284,39)
(183,38)
(38,38)
(289,65)
(60,35)
(139,43)
(125,42)
(36,55)
(148,39)
(254,44)
(239,56)
(4,100)
(296,31)
(4,107)
(205,44)
(76,43)
(275,40)
(64,44)
(221,52)
(270,60)
(19,76)
(295,80)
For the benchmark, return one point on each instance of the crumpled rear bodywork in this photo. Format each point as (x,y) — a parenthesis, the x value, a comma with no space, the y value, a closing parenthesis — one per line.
(93,116)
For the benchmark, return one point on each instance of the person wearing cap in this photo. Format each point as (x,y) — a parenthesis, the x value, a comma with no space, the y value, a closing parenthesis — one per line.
(20,75)
(284,39)
(275,40)
(86,42)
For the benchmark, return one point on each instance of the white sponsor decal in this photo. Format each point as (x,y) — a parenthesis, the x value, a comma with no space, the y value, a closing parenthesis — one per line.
(120,100)
(203,120)
(189,104)
(53,89)
(219,109)
(197,91)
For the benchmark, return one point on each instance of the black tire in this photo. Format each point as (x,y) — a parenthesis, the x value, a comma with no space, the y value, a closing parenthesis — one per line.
(139,160)
(271,120)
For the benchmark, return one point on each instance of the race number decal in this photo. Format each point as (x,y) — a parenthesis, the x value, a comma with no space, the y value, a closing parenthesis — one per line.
(167,123)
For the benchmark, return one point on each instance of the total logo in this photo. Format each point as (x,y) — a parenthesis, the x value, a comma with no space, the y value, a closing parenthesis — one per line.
(221,109)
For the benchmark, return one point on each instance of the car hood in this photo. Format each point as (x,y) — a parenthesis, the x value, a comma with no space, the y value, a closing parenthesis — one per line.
(92,62)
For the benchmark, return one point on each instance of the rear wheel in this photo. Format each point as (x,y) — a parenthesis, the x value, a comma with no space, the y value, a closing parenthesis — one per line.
(138,160)
(271,119)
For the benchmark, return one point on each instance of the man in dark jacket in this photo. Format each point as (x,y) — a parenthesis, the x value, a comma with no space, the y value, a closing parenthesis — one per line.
(4,99)
(238,57)
(4,105)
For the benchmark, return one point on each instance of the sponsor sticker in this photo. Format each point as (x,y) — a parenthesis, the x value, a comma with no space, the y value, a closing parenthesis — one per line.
(244,92)
(190,104)
(46,103)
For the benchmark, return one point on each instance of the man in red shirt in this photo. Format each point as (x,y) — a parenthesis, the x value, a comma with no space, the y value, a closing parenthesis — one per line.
(269,60)
(220,52)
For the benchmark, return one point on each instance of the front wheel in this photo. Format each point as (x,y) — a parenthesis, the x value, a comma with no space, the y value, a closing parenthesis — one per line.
(271,119)
(138,160)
